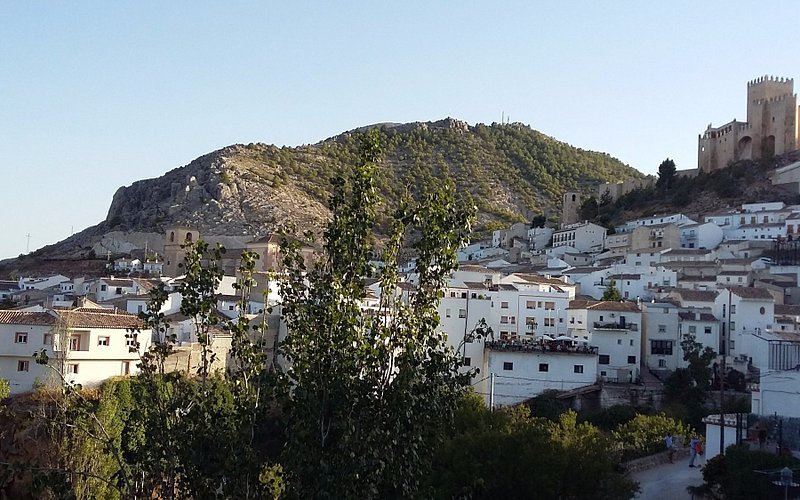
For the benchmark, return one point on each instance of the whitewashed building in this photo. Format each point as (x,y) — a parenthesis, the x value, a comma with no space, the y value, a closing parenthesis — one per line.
(614,328)
(96,348)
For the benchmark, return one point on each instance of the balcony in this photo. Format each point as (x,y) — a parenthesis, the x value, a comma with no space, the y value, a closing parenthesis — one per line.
(624,326)
(550,347)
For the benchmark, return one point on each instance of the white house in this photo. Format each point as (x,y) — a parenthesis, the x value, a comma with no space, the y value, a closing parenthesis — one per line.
(660,336)
(744,312)
(701,235)
(41,283)
(614,328)
(539,237)
(778,390)
(96,348)
(582,236)
(522,372)
(655,220)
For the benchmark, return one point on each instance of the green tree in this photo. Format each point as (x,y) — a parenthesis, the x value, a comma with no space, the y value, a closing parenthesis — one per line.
(5,389)
(367,397)
(612,292)
(666,174)
(589,209)
(489,455)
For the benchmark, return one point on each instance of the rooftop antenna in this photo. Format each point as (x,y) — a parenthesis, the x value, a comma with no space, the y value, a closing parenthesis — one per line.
(28,245)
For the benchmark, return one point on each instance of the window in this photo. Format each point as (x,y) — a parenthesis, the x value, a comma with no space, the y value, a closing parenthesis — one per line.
(603,359)
(75,343)
(447,313)
(21,338)
(23,365)
(467,361)
(126,368)
(513,320)
(508,365)
(693,329)
(503,305)
(118,291)
(707,329)
(140,309)
(549,322)
(550,305)
(462,313)
(530,304)
(130,339)
(544,367)
(662,328)
(661,347)
(504,320)
(733,345)
(631,342)
(230,307)
(662,363)
(48,339)
(619,341)
(733,308)
(103,341)
(72,368)
(632,360)
(103,288)
(577,368)
(733,325)
(762,310)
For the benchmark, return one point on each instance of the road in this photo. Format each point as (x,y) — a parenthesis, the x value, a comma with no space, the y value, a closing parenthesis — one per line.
(669,481)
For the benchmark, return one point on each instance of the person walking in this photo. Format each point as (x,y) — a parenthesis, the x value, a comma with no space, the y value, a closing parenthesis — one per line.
(669,442)
(692,450)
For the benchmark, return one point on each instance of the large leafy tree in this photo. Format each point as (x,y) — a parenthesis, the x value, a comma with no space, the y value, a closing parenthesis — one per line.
(368,396)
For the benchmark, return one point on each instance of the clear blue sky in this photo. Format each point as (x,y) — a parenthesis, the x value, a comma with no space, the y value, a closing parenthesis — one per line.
(96,95)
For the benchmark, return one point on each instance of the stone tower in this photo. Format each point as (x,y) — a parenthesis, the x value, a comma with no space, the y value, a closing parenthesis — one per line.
(771,127)
(173,253)
(570,208)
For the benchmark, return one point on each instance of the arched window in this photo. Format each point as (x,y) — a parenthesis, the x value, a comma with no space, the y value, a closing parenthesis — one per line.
(188,236)
(172,236)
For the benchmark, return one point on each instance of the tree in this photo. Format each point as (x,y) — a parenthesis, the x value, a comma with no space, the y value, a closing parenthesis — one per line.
(612,292)
(589,209)
(666,174)
(699,359)
(489,455)
(367,397)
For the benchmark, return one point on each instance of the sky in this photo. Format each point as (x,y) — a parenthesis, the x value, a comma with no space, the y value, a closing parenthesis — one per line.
(97,95)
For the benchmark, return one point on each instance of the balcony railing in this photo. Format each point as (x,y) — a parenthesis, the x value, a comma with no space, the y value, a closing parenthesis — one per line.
(554,347)
(605,325)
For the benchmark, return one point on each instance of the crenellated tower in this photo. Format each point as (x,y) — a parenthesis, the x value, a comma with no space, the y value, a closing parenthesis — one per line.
(771,127)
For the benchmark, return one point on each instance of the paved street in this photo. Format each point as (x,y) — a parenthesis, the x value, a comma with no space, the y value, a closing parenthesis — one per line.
(669,481)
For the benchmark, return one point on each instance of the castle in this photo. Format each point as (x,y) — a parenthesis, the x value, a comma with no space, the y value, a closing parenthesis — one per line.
(770,129)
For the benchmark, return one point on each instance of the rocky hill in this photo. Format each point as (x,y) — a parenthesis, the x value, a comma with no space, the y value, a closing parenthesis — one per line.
(511,171)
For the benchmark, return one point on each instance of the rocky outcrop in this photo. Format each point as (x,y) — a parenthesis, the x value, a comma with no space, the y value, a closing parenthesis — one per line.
(219,194)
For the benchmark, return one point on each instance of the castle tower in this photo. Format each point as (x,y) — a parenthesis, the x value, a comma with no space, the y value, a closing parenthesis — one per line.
(771,127)
(772,116)
(570,208)
(176,237)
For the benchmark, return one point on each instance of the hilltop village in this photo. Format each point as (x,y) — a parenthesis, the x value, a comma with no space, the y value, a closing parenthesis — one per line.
(596,315)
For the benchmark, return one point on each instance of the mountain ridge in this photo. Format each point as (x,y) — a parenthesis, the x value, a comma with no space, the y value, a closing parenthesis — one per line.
(511,171)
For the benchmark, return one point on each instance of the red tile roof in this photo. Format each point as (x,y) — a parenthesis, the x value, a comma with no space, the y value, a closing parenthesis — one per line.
(751,293)
(9,317)
(96,318)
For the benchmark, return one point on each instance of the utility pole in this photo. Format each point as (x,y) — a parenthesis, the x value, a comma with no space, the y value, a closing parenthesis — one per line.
(28,245)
